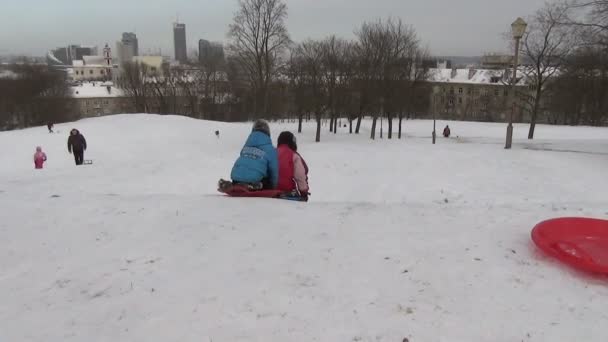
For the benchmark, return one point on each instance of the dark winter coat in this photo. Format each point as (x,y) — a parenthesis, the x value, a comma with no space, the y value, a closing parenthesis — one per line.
(447,132)
(76,142)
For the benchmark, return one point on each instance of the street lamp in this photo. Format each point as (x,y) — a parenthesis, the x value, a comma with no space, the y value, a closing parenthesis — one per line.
(518,29)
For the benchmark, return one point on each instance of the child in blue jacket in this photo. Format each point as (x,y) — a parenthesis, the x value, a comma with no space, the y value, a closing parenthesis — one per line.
(258,162)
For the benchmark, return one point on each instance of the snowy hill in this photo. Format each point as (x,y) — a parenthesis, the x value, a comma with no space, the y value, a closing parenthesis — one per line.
(400,239)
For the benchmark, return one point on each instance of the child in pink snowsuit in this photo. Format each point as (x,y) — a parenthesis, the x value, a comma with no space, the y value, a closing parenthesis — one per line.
(39,158)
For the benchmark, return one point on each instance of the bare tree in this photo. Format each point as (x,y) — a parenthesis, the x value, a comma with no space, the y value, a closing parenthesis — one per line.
(334,58)
(259,38)
(388,52)
(297,85)
(414,90)
(546,45)
(134,83)
(310,54)
(590,16)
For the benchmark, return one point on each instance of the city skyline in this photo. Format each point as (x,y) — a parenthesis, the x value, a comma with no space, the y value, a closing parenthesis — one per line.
(474,27)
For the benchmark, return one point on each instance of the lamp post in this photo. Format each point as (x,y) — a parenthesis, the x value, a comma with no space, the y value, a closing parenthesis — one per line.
(518,29)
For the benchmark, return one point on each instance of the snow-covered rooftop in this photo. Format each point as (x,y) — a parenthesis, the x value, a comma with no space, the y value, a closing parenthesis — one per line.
(93,60)
(7,74)
(96,89)
(471,76)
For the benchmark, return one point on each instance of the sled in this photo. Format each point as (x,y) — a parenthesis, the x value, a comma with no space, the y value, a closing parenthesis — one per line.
(243,191)
(579,242)
(237,190)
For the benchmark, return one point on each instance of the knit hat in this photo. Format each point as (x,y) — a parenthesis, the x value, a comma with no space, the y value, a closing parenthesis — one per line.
(287,138)
(261,126)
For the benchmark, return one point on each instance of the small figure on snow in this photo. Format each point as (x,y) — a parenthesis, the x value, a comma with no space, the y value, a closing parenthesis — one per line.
(77,144)
(257,166)
(50,127)
(217,134)
(39,158)
(293,171)
(447,132)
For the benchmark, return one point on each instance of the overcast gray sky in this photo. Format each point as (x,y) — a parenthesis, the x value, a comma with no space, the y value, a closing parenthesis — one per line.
(449,27)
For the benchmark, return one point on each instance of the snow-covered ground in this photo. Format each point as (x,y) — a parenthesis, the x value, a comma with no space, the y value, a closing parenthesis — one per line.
(401,239)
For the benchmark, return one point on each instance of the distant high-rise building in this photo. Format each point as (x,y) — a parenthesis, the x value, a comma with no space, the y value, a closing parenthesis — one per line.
(77,51)
(209,52)
(127,48)
(73,52)
(130,39)
(179,40)
(63,55)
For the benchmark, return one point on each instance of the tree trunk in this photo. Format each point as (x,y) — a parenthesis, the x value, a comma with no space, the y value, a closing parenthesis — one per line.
(350,123)
(373,134)
(400,120)
(534,115)
(390,125)
(331,124)
(300,117)
(318,136)
(336,125)
(358,123)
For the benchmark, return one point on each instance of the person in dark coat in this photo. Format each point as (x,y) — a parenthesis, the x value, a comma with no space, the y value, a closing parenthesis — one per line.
(447,132)
(77,145)
(50,127)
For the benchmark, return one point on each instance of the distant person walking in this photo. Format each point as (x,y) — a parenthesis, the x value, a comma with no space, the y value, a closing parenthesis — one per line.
(50,127)
(77,144)
(447,132)
(39,158)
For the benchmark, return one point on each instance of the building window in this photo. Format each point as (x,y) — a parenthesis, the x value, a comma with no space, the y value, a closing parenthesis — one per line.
(153,69)
(496,92)
(460,90)
(460,100)
(451,101)
(91,72)
(452,90)
(101,72)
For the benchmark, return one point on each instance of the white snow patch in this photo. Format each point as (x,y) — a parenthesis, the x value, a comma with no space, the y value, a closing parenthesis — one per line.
(96,89)
(401,238)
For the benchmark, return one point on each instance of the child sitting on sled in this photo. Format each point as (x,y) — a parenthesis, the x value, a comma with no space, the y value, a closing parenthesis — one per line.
(257,166)
(293,171)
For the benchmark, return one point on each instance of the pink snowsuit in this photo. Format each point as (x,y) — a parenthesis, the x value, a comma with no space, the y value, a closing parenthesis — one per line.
(39,158)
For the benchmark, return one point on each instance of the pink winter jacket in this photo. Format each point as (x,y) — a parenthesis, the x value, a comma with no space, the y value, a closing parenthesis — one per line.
(39,158)
(299,173)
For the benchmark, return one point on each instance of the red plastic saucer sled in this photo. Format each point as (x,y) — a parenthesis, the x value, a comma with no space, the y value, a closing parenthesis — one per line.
(578,242)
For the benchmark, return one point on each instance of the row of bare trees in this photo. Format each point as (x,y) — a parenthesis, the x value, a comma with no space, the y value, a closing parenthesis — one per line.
(31,94)
(189,90)
(381,73)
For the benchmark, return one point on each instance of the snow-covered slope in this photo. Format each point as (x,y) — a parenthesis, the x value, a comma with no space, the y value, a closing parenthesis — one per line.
(400,239)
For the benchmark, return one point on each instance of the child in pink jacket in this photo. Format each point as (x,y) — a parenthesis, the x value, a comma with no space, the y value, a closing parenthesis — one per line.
(39,158)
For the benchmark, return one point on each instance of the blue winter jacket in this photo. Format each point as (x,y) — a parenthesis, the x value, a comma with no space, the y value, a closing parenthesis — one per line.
(258,161)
